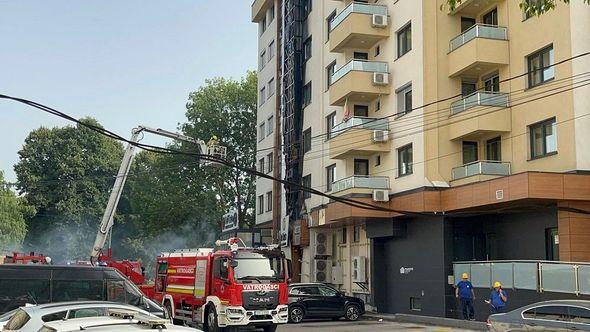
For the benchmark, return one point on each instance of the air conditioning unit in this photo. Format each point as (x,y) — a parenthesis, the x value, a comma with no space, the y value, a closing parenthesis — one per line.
(323,244)
(380,78)
(322,271)
(379,21)
(381,195)
(380,136)
(359,269)
(337,275)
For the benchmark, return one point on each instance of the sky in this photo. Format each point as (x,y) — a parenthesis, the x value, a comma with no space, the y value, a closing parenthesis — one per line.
(123,62)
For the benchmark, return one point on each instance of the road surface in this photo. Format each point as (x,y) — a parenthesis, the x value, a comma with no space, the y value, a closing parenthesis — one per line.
(362,326)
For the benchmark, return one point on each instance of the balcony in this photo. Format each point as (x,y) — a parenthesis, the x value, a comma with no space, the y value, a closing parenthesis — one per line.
(360,81)
(259,8)
(488,113)
(478,50)
(360,183)
(357,27)
(481,167)
(355,136)
(472,8)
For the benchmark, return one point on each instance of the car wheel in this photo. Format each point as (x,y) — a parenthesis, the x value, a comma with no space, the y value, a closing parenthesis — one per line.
(269,328)
(296,314)
(352,312)
(212,321)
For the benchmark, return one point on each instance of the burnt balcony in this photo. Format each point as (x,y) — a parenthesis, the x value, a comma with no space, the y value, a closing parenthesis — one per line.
(478,113)
(359,81)
(477,50)
(358,26)
(359,136)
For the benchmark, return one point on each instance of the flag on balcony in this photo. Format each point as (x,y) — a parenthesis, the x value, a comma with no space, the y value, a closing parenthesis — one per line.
(346,110)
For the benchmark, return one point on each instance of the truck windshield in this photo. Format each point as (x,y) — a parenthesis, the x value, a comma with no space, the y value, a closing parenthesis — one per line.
(258,267)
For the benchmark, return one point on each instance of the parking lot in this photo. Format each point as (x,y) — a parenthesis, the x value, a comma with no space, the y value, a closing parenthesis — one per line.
(366,325)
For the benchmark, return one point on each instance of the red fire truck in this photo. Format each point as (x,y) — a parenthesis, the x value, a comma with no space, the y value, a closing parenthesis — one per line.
(22,258)
(223,290)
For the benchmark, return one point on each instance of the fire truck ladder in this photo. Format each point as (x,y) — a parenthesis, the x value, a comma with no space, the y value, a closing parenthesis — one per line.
(292,103)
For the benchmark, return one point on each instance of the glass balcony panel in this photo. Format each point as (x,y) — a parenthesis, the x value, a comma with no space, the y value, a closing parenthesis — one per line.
(485,167)
(584,279)
(459,269)
(480,275)
(502,272)
(558,278)
(360,65)
(479,31)
(359,181)
(357,8)
(480,98)
(525,275)
(360,123)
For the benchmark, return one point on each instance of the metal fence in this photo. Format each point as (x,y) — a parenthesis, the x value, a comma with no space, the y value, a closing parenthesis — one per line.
(541,276)
(479,31)
(480,98)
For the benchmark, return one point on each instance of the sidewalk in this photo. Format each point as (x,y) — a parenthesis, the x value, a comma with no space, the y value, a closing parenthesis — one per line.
(438,321)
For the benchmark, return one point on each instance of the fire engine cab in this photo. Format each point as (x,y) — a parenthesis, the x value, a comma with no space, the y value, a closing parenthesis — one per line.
(225,289)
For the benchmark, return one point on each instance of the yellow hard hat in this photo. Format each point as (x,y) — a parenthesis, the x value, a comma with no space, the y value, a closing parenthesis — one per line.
(497,284)
(465,276)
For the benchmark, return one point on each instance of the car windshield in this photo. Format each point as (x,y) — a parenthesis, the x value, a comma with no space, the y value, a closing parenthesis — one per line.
(258,267)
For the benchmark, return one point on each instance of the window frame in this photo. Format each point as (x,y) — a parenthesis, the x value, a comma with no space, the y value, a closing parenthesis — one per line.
(260,209)
(306,182)
(330,124)
(270,125)
(270,163)
(404,44)
(542,125)
(268,201)
(307,49)
(330,173)
(306,140)
(549,49)
(306,94)
(409,167)
(402,99)
(261,131)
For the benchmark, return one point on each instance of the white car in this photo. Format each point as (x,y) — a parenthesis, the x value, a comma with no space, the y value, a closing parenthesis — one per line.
(32,318)
(117,321)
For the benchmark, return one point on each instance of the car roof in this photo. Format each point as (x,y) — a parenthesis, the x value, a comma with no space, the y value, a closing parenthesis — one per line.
(104,323)
(55,267)
(582,303)
(53,307)
(307,284)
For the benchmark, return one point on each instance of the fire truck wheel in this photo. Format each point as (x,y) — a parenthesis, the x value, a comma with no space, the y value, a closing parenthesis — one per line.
(296,314)
(212,321)
(168,308)
(352,312)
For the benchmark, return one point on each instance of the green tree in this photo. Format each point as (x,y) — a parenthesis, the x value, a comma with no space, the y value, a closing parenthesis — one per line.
(13,211)
(66,174)
(227,109)
(531,7)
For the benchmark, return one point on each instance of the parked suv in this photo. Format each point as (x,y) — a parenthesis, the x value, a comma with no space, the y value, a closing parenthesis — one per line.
(39,284)
(316,300)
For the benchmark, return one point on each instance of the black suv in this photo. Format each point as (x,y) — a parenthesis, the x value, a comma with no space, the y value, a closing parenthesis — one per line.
(322,301)
(38,284)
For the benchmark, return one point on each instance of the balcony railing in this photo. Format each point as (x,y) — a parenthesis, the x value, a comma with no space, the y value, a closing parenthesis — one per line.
(482,167)
(360,65)
(542,276)
(361,181)
(479,31)
(357,8)
(480,98)
(358,122)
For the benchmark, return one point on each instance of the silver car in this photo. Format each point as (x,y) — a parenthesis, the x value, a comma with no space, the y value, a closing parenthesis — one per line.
(557,315)
(32,318)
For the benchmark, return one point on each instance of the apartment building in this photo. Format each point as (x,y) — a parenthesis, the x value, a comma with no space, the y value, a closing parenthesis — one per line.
(469,125)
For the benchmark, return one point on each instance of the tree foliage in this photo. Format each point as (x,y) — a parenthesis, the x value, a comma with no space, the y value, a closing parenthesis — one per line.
(66,174)
(13,211)
(530,7)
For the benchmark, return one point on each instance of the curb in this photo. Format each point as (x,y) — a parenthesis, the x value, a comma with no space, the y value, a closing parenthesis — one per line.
(438,321)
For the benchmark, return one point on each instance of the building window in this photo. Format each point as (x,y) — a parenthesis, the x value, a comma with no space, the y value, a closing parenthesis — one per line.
(261,204)
(261,165)
(307,6)
(262,25)
(307,49)
(271,14)
(378,105)
(404,40)
(491,17)
(492,83)
(271,87)
(306,182)
(543,138)
(356,234)
(343,236)
(538,65)
(329,20)
(468,86)
(270,162)
(330,70)
(534,3)
(261,132)
(405,159)
(415,304)
(377,50)
(378,160)
(262,95)
(470,153)
(494,149)
(361,167)
(330,176)
(269,201)
(270,124)
(262,60)
(467,23)
(330,123)
(271,50)
(306,94)
(307,140)
(360,55)
(361,110)
(404,99)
